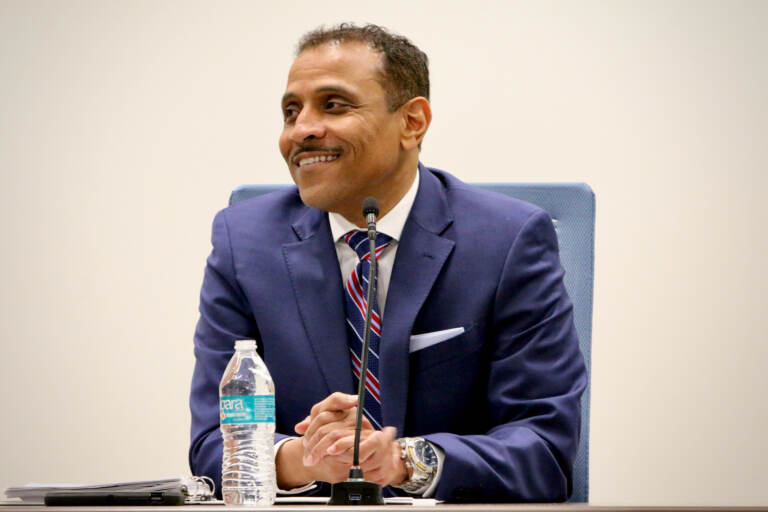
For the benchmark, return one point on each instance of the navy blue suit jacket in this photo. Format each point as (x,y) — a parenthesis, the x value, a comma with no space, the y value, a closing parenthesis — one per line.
(502,399)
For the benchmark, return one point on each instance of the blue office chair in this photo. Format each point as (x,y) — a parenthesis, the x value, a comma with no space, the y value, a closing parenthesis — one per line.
(572,208)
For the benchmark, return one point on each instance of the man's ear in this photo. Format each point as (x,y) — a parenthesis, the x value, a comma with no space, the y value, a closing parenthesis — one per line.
(416,116)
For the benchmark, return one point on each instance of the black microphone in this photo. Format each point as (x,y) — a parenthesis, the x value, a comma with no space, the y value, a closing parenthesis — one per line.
(356,490)
(370,212)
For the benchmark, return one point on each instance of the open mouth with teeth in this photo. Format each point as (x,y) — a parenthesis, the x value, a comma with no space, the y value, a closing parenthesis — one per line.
(315,159)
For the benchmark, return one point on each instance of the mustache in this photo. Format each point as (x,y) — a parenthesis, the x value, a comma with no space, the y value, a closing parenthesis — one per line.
(306,147)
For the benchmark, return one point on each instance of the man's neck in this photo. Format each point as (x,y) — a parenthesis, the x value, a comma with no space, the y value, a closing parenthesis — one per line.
(392,223)
(386,204)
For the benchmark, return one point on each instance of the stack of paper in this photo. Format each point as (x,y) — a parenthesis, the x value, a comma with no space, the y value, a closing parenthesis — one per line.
(34,493)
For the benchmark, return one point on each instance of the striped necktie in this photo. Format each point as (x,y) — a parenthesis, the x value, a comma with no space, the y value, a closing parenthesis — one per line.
(356,293)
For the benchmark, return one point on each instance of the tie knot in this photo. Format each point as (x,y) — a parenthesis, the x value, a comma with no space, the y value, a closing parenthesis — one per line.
(358,241)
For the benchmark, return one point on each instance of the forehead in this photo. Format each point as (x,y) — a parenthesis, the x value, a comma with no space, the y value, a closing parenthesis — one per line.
(351,65)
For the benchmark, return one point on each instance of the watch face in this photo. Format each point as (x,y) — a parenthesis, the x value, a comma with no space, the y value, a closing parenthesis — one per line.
(425,453)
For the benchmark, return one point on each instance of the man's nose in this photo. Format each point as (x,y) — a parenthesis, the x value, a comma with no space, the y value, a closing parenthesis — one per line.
(308,125)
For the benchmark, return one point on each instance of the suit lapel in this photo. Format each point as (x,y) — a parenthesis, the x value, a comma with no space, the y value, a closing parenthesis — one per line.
(314,272)
(421,253)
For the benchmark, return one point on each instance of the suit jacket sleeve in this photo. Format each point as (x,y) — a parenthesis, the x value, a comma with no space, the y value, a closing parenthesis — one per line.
(224,317)
(536,379)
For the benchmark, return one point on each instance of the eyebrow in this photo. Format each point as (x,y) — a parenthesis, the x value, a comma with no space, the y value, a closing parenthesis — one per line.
(325,88)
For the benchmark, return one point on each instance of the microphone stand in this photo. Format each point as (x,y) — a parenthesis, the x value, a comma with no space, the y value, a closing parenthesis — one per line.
(355,490)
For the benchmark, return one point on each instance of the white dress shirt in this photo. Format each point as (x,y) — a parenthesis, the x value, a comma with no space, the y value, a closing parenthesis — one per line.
(390,224)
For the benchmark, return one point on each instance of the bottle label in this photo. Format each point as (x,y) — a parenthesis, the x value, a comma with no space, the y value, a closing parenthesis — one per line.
(247,409)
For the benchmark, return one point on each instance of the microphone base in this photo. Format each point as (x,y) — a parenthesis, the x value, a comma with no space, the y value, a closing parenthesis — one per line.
(357,492)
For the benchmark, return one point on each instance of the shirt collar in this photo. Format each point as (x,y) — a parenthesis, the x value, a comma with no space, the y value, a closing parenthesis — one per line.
(391,224)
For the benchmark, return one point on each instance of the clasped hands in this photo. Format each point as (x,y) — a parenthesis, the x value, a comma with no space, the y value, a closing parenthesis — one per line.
(324,450)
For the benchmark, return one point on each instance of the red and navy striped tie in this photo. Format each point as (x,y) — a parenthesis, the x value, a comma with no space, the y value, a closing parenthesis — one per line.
(356,292)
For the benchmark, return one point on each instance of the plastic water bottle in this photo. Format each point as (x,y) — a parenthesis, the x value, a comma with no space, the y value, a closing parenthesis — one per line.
(247,407)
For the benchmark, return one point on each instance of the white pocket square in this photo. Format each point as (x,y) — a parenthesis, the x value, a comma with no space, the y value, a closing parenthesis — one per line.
(422,341)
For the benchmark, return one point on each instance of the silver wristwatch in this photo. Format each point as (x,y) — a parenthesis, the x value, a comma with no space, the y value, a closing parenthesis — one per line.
(421,462)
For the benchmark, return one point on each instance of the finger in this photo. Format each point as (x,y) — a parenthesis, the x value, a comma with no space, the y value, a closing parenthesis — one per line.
(366,424)
(371,467)
(377,459)
(377,443)
(342,445)
(323,418)
(302,426)
(368,448)
(344,458)
(347,443)
(334,402)
(327,435)
(389,433)
(316,446)
(378,438)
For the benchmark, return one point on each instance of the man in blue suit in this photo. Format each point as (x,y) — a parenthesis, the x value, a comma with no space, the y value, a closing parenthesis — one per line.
(478,375)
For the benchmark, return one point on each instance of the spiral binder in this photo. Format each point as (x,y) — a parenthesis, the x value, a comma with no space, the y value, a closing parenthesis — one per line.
(198,489)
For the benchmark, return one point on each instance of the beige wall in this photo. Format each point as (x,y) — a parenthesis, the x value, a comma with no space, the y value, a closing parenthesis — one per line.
(124,125)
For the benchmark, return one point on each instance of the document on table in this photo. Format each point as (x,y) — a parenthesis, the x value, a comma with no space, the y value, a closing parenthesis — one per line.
(195,488)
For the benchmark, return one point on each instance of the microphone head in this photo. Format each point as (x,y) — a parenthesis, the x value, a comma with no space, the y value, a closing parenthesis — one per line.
(370,205)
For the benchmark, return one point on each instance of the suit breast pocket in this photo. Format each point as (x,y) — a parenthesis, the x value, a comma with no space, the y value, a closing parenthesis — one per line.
(463,345)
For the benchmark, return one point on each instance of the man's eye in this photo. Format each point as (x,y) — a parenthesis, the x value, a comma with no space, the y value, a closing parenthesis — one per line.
(290,113)
(334,105)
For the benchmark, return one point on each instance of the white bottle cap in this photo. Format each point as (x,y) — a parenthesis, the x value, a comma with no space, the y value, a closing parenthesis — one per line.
(245,345)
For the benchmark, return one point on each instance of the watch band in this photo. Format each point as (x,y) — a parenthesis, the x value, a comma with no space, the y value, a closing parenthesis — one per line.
(421,463)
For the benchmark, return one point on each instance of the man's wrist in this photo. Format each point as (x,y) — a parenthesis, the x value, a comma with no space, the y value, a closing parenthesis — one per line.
(421,462)
(401,470)
(291,471)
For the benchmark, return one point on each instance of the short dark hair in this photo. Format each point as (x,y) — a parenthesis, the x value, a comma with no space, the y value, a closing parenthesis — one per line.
(405,74)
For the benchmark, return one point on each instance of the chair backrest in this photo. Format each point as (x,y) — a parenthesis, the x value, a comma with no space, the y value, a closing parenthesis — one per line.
(572,208)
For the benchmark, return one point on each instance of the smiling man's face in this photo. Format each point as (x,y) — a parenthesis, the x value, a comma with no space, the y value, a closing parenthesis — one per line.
(339,139)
